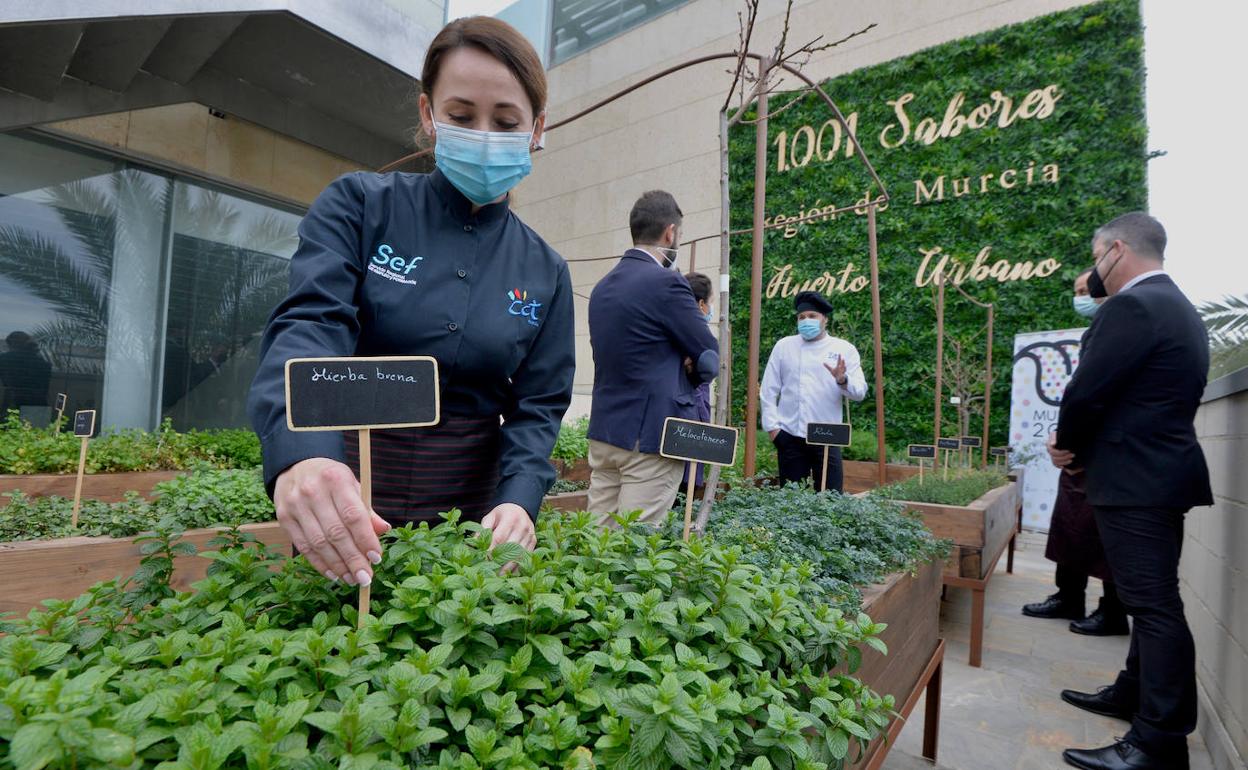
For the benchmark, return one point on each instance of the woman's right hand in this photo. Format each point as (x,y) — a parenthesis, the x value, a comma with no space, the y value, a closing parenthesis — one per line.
(319,505)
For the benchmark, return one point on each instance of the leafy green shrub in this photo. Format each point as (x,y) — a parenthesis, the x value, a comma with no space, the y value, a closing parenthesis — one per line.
(201,499)
(573,441)
(25,449)
(563,486)
(605,648)
(961,489)
(848,541)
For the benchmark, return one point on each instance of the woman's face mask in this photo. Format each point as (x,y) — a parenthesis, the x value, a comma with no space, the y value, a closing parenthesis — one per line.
(483,165)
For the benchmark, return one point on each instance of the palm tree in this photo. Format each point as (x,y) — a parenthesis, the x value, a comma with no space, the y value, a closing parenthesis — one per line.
(1227,322)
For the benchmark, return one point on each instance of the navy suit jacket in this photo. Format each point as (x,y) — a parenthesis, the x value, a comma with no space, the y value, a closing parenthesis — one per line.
(643,324)
(1128,413)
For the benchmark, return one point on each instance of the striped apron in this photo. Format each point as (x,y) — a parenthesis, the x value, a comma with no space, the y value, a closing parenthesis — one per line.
(421,472)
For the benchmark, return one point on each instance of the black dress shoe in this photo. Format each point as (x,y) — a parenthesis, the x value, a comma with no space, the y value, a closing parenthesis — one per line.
(1122,755)
(1054,607)
(1100,624)
(1104,702)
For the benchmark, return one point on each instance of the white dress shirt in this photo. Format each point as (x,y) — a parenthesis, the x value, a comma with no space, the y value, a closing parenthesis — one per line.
(1141,277)
(798,389)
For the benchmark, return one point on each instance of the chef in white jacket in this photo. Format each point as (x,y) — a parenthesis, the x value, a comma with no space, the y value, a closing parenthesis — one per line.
(807,375)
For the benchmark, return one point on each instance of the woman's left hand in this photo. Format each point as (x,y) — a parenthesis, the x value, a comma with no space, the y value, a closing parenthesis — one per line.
(511,524)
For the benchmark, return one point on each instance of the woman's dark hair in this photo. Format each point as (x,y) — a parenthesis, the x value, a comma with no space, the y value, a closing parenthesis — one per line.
(701,286)
(497,38)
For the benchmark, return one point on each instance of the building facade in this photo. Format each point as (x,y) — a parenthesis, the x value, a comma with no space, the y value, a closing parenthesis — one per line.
(155,160)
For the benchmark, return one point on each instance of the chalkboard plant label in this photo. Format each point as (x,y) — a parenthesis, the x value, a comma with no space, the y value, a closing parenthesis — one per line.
(362,393)
(971,441)
(1000,451)
(828,433)
(949,443)
(921,451)
(699,442)
(84,423)
(61,398)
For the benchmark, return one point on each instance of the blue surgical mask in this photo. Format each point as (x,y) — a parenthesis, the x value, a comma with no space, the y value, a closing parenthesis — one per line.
(809,328)
(1085,306)
(483,165)
(709,315)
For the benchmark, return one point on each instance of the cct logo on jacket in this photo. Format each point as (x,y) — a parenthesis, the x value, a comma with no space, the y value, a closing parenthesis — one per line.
(392,267)
(524,307)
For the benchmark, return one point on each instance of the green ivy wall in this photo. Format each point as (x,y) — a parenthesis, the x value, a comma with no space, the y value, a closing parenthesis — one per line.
(1082,135)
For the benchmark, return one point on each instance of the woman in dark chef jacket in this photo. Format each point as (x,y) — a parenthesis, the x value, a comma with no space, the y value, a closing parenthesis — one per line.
(413,264)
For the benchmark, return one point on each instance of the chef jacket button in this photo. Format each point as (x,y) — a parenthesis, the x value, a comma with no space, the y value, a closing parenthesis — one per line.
(462,273)
(452,326)
(467,228)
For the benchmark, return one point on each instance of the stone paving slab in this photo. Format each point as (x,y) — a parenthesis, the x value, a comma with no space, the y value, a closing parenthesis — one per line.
(1007,715)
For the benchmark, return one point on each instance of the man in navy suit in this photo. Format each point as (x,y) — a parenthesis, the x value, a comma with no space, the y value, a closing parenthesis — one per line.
(652,349)
(1127,425)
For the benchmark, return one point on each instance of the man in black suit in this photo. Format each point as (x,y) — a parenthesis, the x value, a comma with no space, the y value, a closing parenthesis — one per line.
(1126,423)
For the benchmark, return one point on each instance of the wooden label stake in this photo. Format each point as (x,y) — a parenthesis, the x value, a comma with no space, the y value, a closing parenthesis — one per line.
(697,442)
(366,493)
(84,428)
(691,468)
(824,487)
(362,394)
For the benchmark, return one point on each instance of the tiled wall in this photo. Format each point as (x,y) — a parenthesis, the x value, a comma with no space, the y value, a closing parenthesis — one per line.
(233,151)
(1214,577)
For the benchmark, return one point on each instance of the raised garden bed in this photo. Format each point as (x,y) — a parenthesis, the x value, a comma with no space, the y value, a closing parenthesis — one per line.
(572,470)
(910,606)
(107,487)
(35,570)
(861,476)
(568,502)
(981,531)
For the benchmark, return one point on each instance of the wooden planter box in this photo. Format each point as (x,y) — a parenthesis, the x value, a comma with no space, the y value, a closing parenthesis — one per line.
(569,502)
(979,530)
(910,605)
(62,569)
(572,470)
(861,476)
(106,487)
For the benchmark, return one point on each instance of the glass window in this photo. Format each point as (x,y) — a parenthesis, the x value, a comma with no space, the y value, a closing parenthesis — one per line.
(135,293)
(57,236)
(578,25)
(230,260)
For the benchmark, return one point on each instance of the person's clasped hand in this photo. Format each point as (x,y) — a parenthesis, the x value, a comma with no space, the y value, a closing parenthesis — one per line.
(1061,458)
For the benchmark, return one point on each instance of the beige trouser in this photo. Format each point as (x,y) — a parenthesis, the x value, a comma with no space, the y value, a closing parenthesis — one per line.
(622,480)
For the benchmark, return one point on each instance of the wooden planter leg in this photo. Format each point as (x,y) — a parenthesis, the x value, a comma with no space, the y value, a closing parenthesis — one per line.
(1009,560)
(931,713)
(977,627)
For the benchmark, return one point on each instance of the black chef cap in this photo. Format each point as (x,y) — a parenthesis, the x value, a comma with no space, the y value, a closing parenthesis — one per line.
(812,300)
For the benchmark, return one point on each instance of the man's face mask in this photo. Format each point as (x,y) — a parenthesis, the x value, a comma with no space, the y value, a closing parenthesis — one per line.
(1085,305)
(809,328)
(1096,283)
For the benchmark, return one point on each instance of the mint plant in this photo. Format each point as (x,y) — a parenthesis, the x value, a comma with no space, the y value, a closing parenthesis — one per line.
(605,648)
